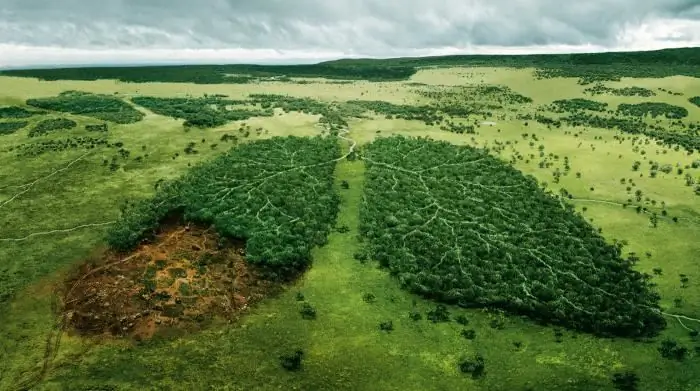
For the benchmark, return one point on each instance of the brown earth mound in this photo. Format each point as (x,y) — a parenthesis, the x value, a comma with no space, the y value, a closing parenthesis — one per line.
(183,278)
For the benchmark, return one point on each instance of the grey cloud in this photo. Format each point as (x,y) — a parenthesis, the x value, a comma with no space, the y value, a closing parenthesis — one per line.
(373,27)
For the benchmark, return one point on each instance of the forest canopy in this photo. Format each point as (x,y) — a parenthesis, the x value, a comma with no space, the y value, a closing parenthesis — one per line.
(277,194)
(589,67)
(459,226)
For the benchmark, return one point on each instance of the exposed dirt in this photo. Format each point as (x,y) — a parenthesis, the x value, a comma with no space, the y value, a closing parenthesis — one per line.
(183,278)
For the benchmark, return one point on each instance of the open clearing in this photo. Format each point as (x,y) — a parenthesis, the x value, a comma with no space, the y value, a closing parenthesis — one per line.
(61,193)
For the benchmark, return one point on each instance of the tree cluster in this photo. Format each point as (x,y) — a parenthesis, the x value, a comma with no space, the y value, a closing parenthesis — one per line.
(10,127)
(15,112)
(51,125)
(57,145)
(102,107)
(654,109)
(695,100)
(459,226)
(601,89)
(96,128)
(277,194)
(577,104)
(202,112)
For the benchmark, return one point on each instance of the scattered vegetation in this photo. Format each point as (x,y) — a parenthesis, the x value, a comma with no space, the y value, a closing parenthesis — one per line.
(576,104)
(695,100)
(457,225)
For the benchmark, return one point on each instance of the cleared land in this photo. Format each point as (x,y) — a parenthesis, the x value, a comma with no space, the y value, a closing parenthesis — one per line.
(593,154)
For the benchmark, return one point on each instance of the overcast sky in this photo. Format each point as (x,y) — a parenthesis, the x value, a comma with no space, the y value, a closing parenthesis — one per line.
(39,32)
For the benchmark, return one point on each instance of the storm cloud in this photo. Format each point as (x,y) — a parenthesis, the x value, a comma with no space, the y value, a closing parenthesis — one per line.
(324,28)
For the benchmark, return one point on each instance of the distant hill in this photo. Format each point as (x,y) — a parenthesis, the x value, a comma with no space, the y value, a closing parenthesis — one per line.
(589,67)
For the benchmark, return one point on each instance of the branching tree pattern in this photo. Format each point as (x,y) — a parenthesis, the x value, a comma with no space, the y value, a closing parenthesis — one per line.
(459,226)
(276,193)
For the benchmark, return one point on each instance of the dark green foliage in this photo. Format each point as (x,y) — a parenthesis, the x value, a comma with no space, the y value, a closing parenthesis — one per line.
(46,146)
(369,298)
(307,311)
(386,326)
(576,104)
(51,125)
(671,350)
(11,127)
(292,362)
(15,112)
(468,333)
(439,314)
(103,107)
(300,296)
(654,109)
(600,89)
(461,319)
(220,74)
(465,228)
(332,115)
(695,100)
(96,128)
(281,201)
(625,381)
(474,366)
(415,315)
(690,139)
(204,112)
(589,67)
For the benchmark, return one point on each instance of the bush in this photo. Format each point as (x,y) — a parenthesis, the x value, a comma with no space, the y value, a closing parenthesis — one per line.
(308,311)
(474,366)
(292,362)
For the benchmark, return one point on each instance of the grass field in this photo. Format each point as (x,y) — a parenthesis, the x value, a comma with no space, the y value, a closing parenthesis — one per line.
(55,208)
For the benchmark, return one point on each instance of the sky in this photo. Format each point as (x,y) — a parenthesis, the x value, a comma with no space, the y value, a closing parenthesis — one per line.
(72,32)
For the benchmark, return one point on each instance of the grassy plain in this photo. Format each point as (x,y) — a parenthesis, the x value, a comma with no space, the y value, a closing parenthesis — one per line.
(51,220)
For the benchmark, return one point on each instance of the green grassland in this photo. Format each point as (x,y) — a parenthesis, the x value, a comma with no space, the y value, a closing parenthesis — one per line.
(57,205)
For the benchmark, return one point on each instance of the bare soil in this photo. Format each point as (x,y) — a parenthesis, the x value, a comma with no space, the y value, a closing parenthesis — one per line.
(184,278)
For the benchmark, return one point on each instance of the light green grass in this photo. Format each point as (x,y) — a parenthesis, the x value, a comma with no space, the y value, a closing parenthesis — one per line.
(344,349)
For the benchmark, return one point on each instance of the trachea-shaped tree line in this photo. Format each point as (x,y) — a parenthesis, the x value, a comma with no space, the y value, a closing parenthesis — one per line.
(459,226)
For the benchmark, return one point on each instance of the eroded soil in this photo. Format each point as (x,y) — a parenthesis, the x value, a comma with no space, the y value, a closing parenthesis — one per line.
(183,278)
